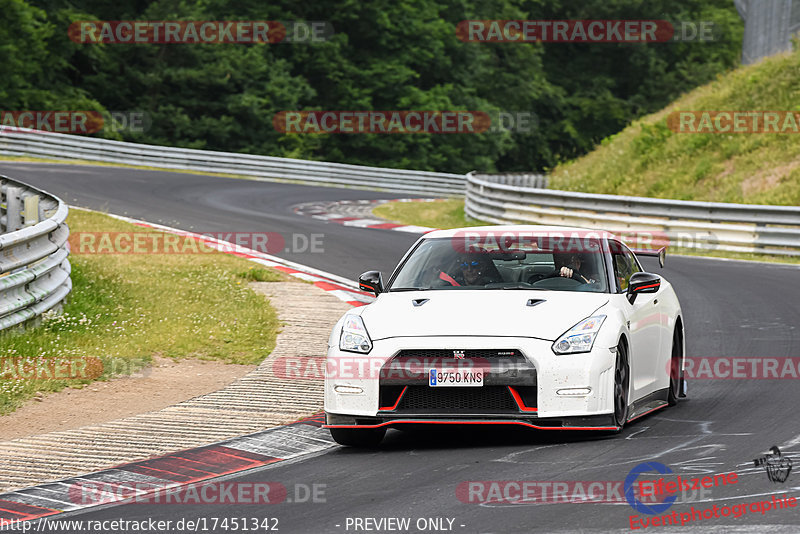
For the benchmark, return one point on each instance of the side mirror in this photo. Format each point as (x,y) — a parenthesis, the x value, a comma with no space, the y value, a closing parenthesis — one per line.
(642,283)
(371,281)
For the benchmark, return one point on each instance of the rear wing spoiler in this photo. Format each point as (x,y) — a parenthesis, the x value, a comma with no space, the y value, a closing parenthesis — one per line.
(661,254)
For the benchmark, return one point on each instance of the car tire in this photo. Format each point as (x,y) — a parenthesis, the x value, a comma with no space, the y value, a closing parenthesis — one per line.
(675,367)
(621,386)
(358,437)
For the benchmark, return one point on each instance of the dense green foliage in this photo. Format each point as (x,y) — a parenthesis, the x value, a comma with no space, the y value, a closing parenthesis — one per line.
(384,55)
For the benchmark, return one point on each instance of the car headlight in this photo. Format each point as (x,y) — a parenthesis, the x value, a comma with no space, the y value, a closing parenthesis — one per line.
(579,338)
(354,337)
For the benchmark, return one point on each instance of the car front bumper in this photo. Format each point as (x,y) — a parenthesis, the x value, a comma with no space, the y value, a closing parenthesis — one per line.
(541,389)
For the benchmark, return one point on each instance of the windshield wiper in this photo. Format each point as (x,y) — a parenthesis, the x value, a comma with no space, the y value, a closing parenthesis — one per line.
(511,285)
(399,289)
(525,287)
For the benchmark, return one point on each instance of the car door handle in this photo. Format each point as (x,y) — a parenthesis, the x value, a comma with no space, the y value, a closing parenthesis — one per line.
(655,301)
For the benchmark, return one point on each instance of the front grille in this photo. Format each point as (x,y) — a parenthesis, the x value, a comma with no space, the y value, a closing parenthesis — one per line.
(486,399)
(447,354)
(502,367)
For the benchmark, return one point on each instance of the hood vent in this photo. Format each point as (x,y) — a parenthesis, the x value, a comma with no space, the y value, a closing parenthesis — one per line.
(418,302)
(534,302)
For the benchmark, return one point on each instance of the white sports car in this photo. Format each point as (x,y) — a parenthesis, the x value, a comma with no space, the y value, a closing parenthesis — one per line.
(545,327)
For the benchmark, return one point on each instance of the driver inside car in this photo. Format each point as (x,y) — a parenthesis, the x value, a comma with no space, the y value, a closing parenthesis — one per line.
(575,266)
(473,270)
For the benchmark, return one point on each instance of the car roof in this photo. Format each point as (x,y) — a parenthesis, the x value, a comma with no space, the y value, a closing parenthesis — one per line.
(534,229)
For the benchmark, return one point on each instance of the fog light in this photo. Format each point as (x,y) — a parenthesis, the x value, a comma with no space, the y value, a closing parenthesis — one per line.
(348,390)
(574,392)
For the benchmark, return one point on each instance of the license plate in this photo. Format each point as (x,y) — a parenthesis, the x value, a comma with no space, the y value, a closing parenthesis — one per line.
(455,378)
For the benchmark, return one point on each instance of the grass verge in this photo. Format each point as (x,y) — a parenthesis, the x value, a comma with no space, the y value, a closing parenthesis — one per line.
(650,158)
(125,308)
(439,214)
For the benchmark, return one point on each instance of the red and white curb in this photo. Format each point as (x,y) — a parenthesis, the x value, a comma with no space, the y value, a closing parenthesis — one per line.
(340,287)
(134,482)
(357,213)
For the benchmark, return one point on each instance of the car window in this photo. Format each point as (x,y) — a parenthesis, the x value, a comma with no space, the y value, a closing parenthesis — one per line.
(446,263)
(625,264)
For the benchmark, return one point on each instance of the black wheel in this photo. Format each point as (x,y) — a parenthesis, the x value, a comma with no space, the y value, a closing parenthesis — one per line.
(358,437)
(675,367)
(621,386)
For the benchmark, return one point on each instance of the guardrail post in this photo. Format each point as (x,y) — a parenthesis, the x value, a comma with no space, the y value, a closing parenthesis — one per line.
(30,212)
(13,209)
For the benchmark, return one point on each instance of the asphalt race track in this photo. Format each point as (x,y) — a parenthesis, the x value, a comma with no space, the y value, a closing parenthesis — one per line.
(731,309)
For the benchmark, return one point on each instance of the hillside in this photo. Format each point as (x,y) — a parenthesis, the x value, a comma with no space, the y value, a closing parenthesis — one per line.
(648,158)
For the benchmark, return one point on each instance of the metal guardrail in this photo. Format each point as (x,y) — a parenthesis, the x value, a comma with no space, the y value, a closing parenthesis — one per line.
(520,179)
(34,270)
(501,199)
(695,225)
(22,142)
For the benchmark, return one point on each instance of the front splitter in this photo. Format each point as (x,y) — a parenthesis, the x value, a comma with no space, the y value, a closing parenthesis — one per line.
(595,422)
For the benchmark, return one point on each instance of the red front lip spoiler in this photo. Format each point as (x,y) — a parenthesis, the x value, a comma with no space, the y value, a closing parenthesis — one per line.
(468,422)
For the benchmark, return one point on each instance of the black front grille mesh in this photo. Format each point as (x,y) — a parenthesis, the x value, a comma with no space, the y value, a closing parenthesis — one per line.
(435,354)
(485,399)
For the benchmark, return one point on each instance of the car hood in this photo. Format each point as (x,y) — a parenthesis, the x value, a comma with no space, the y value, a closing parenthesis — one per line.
(478,313)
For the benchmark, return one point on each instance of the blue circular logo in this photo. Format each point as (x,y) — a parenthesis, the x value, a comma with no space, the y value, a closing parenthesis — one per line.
(630,481)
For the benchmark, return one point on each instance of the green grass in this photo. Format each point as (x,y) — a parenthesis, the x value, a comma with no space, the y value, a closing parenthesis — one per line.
(650,159)
(439,214)
(125,308)
(256,274)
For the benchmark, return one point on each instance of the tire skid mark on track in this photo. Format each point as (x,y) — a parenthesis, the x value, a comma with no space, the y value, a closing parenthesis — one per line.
(358,213)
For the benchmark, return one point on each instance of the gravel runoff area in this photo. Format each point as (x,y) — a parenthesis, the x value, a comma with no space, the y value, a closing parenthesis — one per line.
(257,401)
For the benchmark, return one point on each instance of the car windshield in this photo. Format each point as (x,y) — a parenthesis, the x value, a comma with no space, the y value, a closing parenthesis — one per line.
(515,263)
